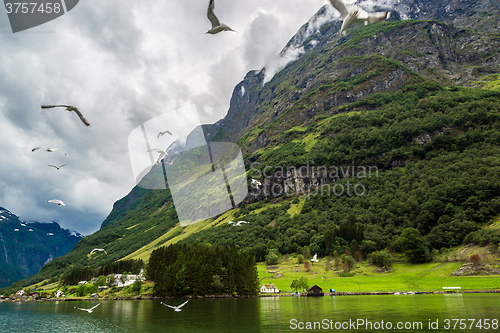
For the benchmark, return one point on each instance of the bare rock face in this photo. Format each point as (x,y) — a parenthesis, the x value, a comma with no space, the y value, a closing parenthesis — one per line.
(478,15)
(470,269)
(457,52)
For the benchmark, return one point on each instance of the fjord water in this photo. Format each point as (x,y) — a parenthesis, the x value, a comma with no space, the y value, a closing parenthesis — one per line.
(274,314)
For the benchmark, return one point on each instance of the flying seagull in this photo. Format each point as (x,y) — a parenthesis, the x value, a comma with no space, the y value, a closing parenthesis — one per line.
(315,258)
(159,151)
(176,308)
(240,223)
(353,14)
(88,310)
(163,133)
(256,183)
(57,167)
(58,202)
(237,224)
(68,108)
(94,250)
(50,150)
(216,25)
(161,156)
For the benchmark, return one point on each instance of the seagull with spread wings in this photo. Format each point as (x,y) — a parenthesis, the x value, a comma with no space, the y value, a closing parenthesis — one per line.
(95,250)
(237,224)
(57,201)
(57,167)
(163,133)
(353,14)
(68,108)
(216,25)
(176,308)
(88,310)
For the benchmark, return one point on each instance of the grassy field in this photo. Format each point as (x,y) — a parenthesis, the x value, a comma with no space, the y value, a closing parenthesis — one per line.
(404,277)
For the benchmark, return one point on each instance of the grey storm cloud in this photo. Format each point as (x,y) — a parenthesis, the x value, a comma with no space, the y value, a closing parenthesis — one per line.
(122,62)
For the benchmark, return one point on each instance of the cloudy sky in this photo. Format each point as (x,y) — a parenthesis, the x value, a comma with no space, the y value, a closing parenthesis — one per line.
(123,63)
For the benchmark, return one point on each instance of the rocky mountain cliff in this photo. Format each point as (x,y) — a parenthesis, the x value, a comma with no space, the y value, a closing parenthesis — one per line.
(477,15)
(450,55)
(26,247)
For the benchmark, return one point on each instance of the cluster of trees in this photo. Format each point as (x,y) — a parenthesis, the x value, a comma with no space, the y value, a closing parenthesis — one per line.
(300,284)
(381,259)
(201,269)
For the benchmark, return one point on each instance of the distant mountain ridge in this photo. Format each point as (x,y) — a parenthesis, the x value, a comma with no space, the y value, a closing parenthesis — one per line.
(25,247)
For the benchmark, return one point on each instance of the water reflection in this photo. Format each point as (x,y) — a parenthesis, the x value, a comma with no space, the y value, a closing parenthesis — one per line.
(270,314)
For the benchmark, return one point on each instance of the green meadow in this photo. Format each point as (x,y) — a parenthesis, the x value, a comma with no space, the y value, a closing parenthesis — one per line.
(404,277)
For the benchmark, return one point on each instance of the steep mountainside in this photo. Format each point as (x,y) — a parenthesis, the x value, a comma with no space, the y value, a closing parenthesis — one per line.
(26,247)
(389,96)
(377,58)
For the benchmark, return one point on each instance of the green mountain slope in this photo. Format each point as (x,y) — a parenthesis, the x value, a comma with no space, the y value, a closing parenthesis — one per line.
(434,158)
(383,98)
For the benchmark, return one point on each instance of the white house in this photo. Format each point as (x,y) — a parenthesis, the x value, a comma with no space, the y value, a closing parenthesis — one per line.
(18,294)
(123,280)
(59,293)
(269,288)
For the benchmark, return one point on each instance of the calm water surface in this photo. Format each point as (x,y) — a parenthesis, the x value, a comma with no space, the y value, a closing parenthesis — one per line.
(277,314)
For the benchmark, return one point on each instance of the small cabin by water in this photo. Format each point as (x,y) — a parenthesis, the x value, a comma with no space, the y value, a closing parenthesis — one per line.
(315,291)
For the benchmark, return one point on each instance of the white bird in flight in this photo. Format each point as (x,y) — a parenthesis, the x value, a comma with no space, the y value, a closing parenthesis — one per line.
(68,108)
(57,167)
(88,310)
(353,14)
(256,183)
(163,133)
(176,308)
(50,150)
(57,201)
(159,151)
(94,250)
(161,156)
(315,258)
(237,224)
(216,25)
